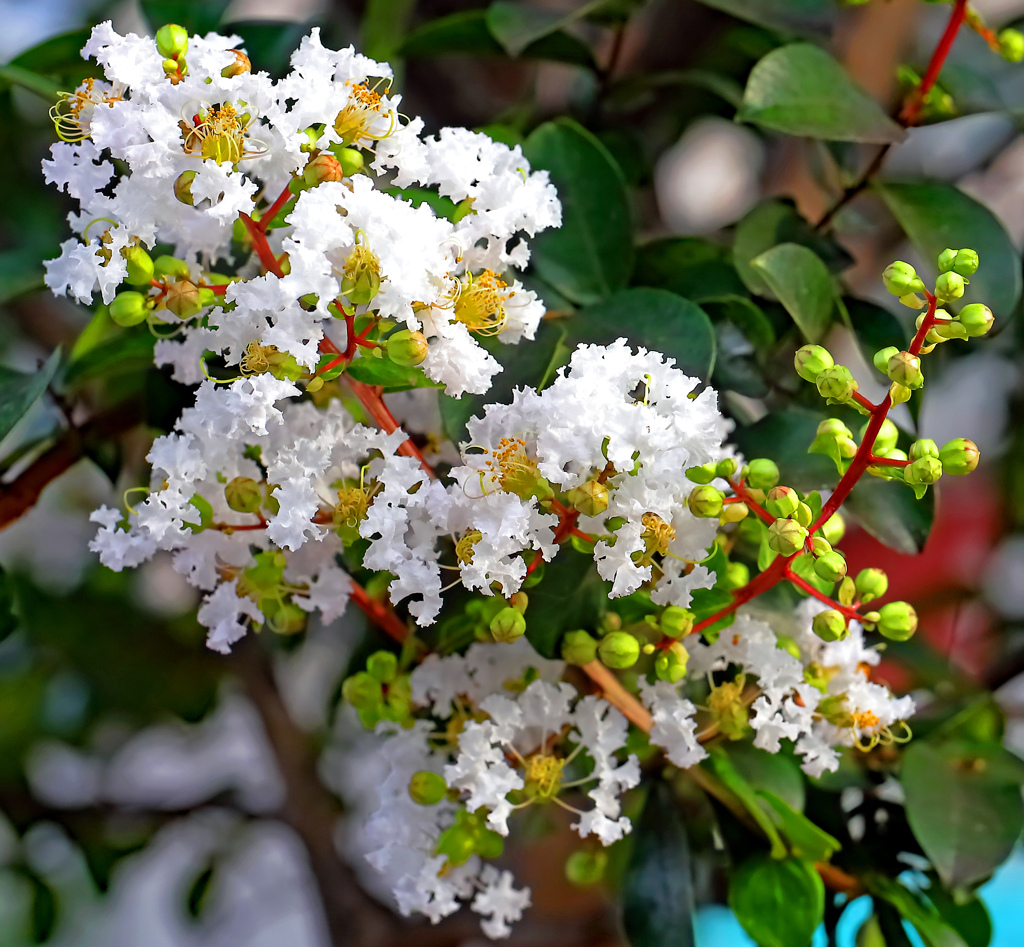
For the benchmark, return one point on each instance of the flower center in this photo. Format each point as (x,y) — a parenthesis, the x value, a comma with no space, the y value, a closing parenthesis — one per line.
(865,720)
(657,533)
(360,280)
(218,133)
(542,776)
(464,547)
(364,110)
(480,305)
(71,114)
(512,467)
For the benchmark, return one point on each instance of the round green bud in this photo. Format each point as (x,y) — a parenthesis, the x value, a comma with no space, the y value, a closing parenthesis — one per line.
(351,159)
(586,867)
(834,528)
(243,495)
(726,467)
(705,501)
(949,286)
(508,625)
(871,584)
(172,41)
(407,347)
(966,262)
(703,474)
(830,625)
(786,537)
(284,618)
(670,665)
(837,384)
(901,279)
(129,308)
(820,546)
(1011,45)
(519,601)
(976,319)
(733,513)
(382,666)
(782,502)
(803,515)
(139,264)
(578,647)
(946,260)
(833,427)
(811,360)
(427,788)
(676,622)
(183,187)
(610,621)
(362,691)
(899,394)
(886,438)
(923,447)
(762,473)
(897,621)
(905,369)
(170,266)
(959,457)
(831,567)
(619,649)
(589,498)
(882,356)
(737,574)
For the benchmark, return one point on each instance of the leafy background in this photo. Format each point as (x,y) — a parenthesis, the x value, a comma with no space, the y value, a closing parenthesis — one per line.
(152,792)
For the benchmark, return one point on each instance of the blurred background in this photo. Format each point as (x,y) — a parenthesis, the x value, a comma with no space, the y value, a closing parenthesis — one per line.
(152,792)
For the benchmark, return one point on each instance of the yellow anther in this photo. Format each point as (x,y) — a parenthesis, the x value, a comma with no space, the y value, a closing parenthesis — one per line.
(256,359)
(480,304)
(464,547)
(73,110)
(218,132)
(357,122)
(543,775)
(657,534)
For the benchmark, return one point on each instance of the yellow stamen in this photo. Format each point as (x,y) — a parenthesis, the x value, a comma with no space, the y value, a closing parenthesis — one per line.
(464,547)
(657,534)
(73,110)
(480,305)
(355,122)
(543,776)
(219,133)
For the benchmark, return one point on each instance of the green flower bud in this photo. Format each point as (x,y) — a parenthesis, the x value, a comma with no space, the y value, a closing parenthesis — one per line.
(284,618)
(834,528)
(820,546)
(578,647)
(140,265)
(959,457)
(427,788)
(519,601)
(946,260)
(610,621)
(949,286)
(966,262)
(976,319)
(803,515)
(897,621)
(811,360)
(733,513)
(382,666)
(586,867)
(923,447)
(324,167)
(362,691)
(899,394)
(676,622)
(882,356)
(726,467)
(619,649)
(905,370)
(172,41)
(831,567)
(886,438)
(786,537)
(670,665)
(830,625)
(900,279)
(1011,45)
(837,384)
(183,187)
(243,495)
(705,501)
(508,625)
(762,473)
(351,159)
(703,474)
(589,498)
(129,308)
(871,584)
(782,502)
(170,266)
(407,347)
(737,574)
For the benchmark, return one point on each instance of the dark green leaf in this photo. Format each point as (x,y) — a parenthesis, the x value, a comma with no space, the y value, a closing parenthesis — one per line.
(43,87)
(888,510)
(441,206)
(590,256)
(743,335)
(8,620)
(44,909)
(874,327)
(383,27)
(972,90)
(805,839)
(516,25)
(384,372)
(654,318)
(802,284)
(802,17)
(689,266)
(970,919)
(198,891)
(721,764)
(636,91)
(553,612)
(19,391)
(268,43)
(125,352)
(56,54)
(657,889)
(780,903)
(197,16)
(772,771)
(934,931)
(964,805)
(20,273)
(784,436)
(801,90)
(936,216)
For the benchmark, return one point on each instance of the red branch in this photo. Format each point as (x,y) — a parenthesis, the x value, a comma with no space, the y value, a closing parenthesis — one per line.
(380,613)
(911,112)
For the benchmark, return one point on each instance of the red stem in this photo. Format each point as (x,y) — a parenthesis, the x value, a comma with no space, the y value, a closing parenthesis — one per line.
(380,613)
(863,402)
(849,613)
(912,110)
(268,217)
(744,497)
(260,245)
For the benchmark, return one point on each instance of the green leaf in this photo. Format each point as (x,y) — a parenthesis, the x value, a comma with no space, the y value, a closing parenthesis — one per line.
(591,255)
(690,266)
(718,760)
(654,318)
(125,352)
(888,510)
(801,90)
(43,87)
(198,892)
(934,931)
(269,43)
(743,336)
(8,620)
(197,16)
(384,372)
(779,903)
(785,436)
(383,26)
(874,327)
(657,888)
(44,908)
(802,284)
(56,54)
(775,772)
(935,216)
(970,918)
(805,839)
(964,805)
(19,391)
(802,17)
(20,273)
(552,612)
(972,90)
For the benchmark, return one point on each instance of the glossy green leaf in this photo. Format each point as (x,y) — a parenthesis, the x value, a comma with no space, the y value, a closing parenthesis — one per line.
(874,327)
(269,44)
(19,391)
(774,772)
(969,918)
(936,215)
(780,903)
(934,931)
(657,888)
(197,16)
(695,268)
(124,352)
(889,511)
(964,806)
(784,436)
(383,27)
(801,283)
(42,86)
(384,372)
(552,612)
(805,839)
(591,255)
(719,762)
(801,90)
(801,17)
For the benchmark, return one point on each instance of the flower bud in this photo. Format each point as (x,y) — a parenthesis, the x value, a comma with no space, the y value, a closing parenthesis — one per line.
(976,319)
(762,473)
(959,457)
(172,41)
(183,299)
(726,467)
(351,160)
(946,260)
(966,262)
(284,618)
(1011,45)
(324,167)
(820,546)
(871,584)
(782,502)
(589,498)
(129,308)
(362,691)
(586,867)
(619,649)
(183,187)
(427,788)
(886,438)
(881,358)
(407,347)
(382,666)
(830,625)
(140,265)
(733,513)
(949,286)
(578,647)
(898,394)
(905,369)
(705,501)
(737,574)
(923,447)
(900,279)
(803,515)
(670,665)
(239,67)
(508,625)
(834,528)
(703,474)
(170,266)
(786,537)
(897,621)
(520,601)
(610,621)
(243,495)
(676,622)
(811,360)
(831,567)
(837,384)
